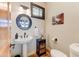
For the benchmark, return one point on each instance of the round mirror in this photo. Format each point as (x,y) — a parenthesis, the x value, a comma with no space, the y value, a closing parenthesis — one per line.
(23,21)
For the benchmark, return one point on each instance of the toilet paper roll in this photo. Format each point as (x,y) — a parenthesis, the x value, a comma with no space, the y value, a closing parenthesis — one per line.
(54,39)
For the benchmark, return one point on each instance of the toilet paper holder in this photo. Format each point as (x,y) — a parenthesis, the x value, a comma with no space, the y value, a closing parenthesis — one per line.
(56,39)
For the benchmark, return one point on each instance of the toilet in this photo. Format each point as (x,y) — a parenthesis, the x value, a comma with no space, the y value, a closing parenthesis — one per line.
(57,53)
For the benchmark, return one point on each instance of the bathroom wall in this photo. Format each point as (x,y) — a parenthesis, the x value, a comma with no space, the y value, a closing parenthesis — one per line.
(66,33)
(35,22)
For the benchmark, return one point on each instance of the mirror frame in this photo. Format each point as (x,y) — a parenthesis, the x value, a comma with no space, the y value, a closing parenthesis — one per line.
(18,19)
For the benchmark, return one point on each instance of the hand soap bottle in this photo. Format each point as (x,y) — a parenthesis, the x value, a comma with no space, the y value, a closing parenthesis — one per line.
(16,36)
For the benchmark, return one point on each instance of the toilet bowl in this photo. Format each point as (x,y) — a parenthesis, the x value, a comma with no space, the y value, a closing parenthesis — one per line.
(57,53)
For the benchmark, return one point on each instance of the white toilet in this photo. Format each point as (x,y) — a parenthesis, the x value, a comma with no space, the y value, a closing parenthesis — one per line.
(57,53)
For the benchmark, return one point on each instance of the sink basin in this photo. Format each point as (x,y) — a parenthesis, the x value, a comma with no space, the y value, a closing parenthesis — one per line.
(74,49)
(23,41)
(20,41)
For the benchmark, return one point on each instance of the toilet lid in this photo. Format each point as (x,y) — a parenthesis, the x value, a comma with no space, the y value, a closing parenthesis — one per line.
(57,53)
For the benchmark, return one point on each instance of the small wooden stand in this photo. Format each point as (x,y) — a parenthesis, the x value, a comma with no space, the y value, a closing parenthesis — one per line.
(40,47)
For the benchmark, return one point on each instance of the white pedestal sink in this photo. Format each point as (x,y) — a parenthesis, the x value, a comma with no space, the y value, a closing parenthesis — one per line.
(23,42)
(74,50)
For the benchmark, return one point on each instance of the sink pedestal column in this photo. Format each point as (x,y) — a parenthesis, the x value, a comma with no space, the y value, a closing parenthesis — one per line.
(24,50)
(24,45)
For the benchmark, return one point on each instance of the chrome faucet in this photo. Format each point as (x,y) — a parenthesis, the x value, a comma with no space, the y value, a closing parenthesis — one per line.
(24,35)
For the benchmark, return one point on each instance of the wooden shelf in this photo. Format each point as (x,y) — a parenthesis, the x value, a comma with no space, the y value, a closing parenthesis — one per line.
(41,47)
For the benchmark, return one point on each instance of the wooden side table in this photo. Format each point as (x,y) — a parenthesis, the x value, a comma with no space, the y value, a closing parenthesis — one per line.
(40,47)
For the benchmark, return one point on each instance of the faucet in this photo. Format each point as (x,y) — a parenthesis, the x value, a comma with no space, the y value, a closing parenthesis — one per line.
(24,35)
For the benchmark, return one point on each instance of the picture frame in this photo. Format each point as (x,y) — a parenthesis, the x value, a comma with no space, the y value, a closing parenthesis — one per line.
(37,11)
(58,19)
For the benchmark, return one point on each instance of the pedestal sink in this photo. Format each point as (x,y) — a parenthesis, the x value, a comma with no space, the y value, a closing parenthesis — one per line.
(23,42)
(74,50)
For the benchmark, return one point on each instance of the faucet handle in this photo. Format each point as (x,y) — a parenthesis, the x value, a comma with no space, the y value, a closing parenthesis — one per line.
(24,34)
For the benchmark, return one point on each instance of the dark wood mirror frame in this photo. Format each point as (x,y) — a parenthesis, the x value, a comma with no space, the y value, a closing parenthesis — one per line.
(43,11)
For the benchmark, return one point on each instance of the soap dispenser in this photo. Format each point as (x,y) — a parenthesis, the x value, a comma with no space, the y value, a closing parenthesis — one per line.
(16,36)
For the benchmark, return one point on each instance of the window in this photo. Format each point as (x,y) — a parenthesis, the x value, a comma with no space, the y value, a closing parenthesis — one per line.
(37,11)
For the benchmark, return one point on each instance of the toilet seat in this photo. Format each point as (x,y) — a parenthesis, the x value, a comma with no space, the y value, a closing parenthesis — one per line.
(57,53)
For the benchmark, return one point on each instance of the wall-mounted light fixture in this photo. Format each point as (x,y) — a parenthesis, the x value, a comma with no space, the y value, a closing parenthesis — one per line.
(4,23)
(24,7)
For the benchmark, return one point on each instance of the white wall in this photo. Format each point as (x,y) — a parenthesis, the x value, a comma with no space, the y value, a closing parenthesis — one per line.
(35,22)
(66,33)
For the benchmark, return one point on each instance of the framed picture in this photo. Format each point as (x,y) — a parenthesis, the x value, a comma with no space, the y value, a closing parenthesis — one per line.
(58,19)
(37,11)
